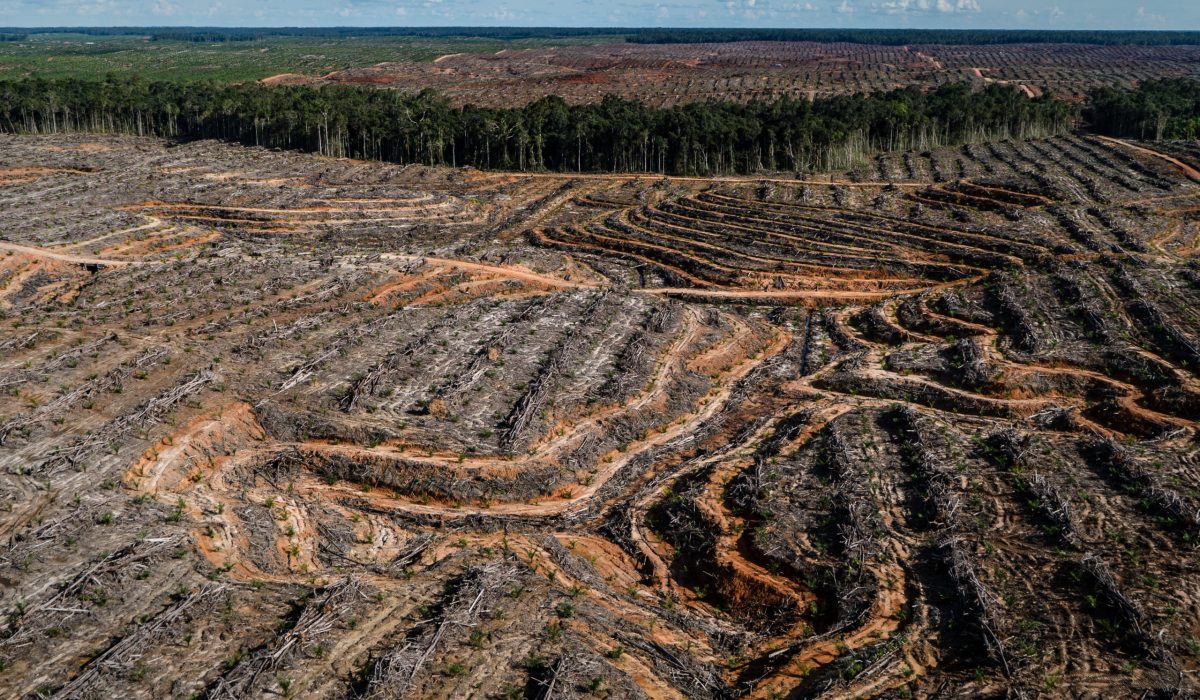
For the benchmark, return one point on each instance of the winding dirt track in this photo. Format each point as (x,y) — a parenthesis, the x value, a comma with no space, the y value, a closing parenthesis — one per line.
(1192,173)
(65,257)
(690,519)
(498,270)
(730,179)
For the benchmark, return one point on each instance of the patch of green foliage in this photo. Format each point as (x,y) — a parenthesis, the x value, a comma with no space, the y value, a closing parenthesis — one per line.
(89,56)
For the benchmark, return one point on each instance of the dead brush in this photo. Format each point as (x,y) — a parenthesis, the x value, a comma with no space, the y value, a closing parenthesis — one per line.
(1115,461)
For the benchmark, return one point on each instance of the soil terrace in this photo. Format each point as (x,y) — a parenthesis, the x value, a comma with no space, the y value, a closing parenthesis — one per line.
(276,424)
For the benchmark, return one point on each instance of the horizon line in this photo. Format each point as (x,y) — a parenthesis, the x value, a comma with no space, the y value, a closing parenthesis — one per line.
(610,28)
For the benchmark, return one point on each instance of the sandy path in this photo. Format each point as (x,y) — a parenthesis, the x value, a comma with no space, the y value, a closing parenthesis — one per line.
(1023,88)
(1189,171)
(153,222)
(737,179)
(780,294)
(65,257)
(930,59)
(512,272)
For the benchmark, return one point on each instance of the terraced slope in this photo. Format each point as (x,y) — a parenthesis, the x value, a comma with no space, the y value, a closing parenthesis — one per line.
(283,425)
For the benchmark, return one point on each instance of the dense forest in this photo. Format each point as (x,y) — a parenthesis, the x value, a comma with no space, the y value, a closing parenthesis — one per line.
(1158,109)
(611,135)
(216,34)
(212,34)
(890,37)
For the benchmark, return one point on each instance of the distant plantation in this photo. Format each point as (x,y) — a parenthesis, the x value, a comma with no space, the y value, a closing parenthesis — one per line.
(900,37)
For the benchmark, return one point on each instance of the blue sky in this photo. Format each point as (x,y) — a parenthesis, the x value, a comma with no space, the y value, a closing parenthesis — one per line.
(1034,14)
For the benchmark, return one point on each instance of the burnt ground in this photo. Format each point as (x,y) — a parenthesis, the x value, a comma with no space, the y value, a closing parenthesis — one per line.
(281,425)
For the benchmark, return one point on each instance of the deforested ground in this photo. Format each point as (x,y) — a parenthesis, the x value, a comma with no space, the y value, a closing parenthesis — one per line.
(276,425)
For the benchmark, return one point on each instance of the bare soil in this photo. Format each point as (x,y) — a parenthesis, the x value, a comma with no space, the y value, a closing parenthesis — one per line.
(275,425)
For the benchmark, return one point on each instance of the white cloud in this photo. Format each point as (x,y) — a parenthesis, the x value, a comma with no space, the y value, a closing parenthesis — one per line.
(164,8)
(895,7)
(1107,14)
(1143,16)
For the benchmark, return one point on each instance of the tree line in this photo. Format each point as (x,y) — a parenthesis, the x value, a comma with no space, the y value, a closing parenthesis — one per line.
(613,135)
(647,35)
(222,34)
(1168,108)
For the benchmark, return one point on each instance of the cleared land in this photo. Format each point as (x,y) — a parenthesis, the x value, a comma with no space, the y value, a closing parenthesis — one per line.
(276,424)
(669,74)
(505,72)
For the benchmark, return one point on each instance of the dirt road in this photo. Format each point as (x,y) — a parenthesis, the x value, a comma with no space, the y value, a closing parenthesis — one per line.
(65,257)
(1192,173)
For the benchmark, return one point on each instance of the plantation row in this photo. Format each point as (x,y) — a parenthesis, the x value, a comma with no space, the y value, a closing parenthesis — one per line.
(664,75)
(902,37)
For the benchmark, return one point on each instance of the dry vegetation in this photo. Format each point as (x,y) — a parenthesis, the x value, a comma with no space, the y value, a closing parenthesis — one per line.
(280,425)
(670,74)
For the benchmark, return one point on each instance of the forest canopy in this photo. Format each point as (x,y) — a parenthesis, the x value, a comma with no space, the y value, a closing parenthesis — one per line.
(1168,108)
(645,35)
(613,135)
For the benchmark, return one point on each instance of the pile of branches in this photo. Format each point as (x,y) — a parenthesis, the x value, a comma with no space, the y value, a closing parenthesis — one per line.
(393,674)
(858,525)
(1085,307)
(1115,460)
(1010,448)
(144,415)
(22,342)
(972,365)
(1055,508)
(1012,310)
(334,348)
(65,604)
(368,383)
(67,358)
(872,323)
(316,619)
(131,648)
(23,544)
(535,396)
(113,380)
(978,599)
(481,359)
(1129,610)
(946,504)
